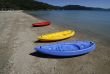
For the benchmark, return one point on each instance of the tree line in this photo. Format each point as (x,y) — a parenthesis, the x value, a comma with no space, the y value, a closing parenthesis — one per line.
(24,5)
(36,5)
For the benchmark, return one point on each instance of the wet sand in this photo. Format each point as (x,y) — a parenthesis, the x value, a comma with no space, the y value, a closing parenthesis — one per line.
(18,38)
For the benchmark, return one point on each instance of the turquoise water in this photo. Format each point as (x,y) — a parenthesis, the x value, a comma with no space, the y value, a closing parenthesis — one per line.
(94,21)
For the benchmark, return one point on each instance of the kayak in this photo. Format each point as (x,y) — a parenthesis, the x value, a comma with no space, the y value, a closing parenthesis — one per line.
(41,24)
(56,36)
(72,48)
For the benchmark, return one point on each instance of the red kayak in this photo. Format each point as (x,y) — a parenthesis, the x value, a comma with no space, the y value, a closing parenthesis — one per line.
(41,24)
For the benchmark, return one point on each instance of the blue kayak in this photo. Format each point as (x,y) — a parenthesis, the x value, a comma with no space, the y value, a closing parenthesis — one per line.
(71,48)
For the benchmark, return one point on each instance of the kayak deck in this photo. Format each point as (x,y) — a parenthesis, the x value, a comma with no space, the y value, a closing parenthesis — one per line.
(67,48)
(56,36)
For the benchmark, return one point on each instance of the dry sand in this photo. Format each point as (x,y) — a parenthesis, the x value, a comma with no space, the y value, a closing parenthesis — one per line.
(17,40)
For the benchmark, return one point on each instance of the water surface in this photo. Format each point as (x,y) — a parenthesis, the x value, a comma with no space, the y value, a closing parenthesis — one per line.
(94,21)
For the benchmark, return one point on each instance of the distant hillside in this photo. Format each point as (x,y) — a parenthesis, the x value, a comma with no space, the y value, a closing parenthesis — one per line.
(24,5)
(35,5)
(78,7)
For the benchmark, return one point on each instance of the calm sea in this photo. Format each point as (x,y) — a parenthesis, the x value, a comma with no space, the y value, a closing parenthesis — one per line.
(94,21)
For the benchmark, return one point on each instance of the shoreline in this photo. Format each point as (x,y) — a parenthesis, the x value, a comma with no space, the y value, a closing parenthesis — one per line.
(103,36)
(80,31)
(17,46)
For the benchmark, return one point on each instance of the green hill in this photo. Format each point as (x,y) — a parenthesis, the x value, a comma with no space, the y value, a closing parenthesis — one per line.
(24,5)
(36,5)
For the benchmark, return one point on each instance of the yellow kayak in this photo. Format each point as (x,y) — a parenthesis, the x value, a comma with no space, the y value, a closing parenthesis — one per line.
(56,36)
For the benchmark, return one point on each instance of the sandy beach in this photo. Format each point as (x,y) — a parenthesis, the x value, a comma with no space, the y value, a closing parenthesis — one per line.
(17,55)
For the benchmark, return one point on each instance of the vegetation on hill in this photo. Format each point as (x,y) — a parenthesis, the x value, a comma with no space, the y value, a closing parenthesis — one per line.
(36,5)
(24,5)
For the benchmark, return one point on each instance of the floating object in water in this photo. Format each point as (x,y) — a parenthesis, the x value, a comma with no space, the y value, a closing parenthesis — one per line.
(56,36)
(72,48)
